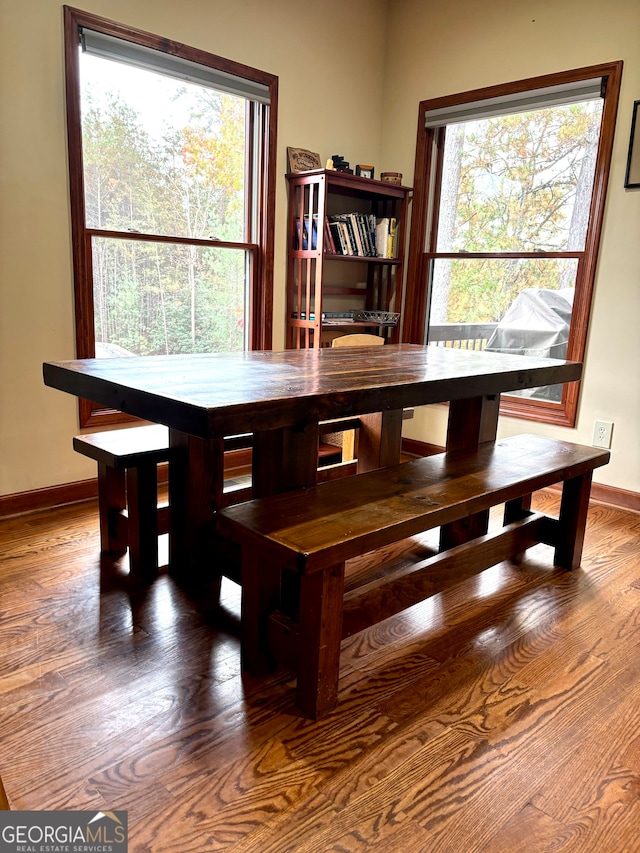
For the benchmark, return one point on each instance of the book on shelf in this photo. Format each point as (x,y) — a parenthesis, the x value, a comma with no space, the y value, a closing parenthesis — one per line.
(329,244)
(357,235)
(334,229)
(386,237)
(346,233)
(338,318)
(305,233)
(392,241)
(331,318)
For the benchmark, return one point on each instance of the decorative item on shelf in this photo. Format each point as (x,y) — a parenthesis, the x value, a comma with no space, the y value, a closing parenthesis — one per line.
(301,160)
(385,318)
(330,165)
(340,164)
(632,175)
(391,177)
(364,171)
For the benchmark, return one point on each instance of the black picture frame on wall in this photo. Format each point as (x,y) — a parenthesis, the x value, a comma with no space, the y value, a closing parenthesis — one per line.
(632,175)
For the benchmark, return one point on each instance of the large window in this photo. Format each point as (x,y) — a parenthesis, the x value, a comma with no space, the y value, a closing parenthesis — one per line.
(510,186)
(171,154)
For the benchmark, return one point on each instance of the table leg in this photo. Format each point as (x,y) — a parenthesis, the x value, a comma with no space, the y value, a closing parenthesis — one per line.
(472,421)
(196,482)
(379,440)
(285,459)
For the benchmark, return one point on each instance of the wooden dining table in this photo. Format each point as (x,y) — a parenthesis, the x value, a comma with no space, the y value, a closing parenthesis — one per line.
(281,397)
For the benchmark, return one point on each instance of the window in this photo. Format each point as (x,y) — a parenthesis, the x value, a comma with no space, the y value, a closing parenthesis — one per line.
(509,199)
(172,162)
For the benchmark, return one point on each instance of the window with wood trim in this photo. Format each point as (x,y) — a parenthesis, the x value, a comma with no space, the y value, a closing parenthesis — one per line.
(172,168)
(510,184)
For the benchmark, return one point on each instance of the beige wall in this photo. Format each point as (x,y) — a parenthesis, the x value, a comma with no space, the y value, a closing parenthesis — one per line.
(330,90)
(337,94)
(436,49)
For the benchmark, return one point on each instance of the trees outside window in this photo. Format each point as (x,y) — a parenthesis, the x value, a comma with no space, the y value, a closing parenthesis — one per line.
(171,164)
(510,186)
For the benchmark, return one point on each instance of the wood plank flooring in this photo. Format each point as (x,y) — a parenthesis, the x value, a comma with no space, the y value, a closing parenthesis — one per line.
(500,716)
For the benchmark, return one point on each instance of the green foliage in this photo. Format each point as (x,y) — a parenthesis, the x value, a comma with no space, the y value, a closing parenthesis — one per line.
(153,297)
(515,182)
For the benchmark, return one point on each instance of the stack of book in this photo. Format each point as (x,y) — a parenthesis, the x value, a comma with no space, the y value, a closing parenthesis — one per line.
(305,233)
(358,234)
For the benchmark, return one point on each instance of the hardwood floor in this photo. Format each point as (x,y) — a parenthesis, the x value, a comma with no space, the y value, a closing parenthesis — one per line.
(501,716)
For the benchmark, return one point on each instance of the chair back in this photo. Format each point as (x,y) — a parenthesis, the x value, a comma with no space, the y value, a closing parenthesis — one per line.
(357,341)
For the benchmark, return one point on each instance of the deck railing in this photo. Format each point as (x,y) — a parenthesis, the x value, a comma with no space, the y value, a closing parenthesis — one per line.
(461,335)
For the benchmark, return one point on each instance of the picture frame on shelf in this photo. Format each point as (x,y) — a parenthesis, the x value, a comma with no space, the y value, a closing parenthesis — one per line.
(302,160)
(632,175)
(364,171)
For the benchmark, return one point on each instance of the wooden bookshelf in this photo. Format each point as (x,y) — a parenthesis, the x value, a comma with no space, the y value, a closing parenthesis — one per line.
(321,281)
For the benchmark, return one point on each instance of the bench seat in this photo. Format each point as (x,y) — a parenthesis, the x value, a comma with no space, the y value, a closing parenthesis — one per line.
(312,532)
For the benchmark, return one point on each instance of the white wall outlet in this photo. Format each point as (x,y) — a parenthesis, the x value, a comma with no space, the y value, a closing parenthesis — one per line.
(602,431)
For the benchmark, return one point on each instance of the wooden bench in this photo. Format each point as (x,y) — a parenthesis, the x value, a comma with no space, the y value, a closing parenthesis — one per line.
(130,517)
(128,459)
(312,532)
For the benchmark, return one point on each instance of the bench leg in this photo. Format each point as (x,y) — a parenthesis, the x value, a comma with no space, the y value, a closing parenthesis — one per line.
(572,522)
(112,501)
(516,510)
(321,602)
(142,500)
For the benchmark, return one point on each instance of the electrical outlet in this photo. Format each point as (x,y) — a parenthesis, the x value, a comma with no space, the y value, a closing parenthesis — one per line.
(602,434)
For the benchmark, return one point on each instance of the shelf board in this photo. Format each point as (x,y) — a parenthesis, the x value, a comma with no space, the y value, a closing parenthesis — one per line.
(334,256)
(354,184)
(356,324)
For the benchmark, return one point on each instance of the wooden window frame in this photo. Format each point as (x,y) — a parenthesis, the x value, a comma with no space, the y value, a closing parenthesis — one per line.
(262,118)
(427,176)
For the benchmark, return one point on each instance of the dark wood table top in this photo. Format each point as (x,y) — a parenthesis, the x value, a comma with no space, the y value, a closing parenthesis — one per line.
(227,393)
